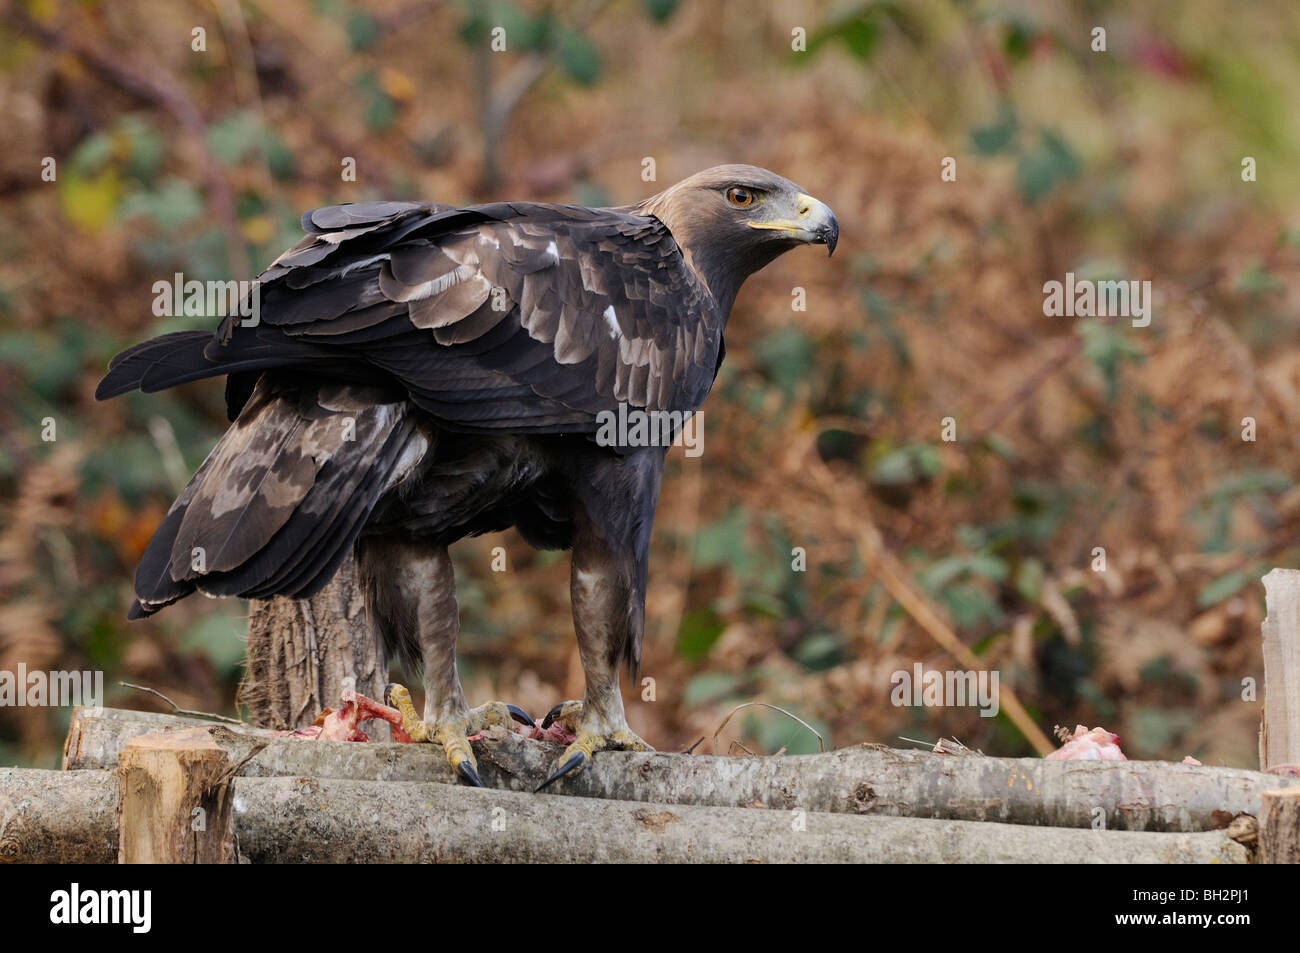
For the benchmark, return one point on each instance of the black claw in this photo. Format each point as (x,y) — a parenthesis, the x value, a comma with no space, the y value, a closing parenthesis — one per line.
(565,768)
(388,694)
(521,716)
(550,717)
(469,774)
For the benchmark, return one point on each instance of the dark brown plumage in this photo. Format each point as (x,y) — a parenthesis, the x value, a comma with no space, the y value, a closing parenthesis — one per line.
(420,373)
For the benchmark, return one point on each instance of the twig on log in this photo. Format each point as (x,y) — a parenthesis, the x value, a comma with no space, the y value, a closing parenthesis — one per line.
(821,742)
(177,709)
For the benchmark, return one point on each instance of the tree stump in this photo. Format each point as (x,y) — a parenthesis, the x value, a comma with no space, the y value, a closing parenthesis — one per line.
(301,650)
(175,800)
(1279,827)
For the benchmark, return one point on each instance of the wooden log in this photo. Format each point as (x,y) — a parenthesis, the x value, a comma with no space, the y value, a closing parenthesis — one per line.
(53,817)
(1279,827)
(341,821)
(1128,795)
(175,805)
(300,652)
(111,728)
(285,819)
(1279,730)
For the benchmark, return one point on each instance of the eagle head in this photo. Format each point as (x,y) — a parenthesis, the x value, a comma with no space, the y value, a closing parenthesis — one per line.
(731,220)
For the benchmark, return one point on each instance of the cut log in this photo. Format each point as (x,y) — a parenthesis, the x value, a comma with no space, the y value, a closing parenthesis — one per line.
(1279,827)
(339,821)
(175,805)
(284,819)
(1125,795)
(300,652)
(1279,727)
(96,736)
(55,817)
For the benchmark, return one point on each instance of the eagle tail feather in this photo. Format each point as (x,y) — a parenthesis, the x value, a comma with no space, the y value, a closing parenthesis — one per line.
(180,350)
(279,503)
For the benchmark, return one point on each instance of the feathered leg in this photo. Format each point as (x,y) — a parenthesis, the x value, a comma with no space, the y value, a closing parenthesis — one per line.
(607,588)
(412,594)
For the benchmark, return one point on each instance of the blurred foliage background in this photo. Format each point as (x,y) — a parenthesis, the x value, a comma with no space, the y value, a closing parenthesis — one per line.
(825,425)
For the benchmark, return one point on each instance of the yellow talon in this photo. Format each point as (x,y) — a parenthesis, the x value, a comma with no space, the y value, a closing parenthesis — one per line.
(452,731)
(412,724)
(587,743)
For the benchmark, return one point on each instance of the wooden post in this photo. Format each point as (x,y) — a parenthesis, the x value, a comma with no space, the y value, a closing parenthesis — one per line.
(1279,730)
(300,651)
(175,804)
(1279,827)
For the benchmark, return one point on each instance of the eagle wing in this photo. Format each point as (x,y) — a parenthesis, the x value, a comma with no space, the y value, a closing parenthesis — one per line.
(506,317)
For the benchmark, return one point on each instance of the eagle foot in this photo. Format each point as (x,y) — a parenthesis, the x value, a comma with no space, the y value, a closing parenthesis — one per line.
(454,733)
(587,743)
(566,715)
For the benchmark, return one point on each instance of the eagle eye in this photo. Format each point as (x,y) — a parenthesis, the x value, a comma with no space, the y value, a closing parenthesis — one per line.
(739,197)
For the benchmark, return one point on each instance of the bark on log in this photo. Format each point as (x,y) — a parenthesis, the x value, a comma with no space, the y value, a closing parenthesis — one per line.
(340,821)
(285,819)
(1134,795)
(300,651)
(1279,827)
(175,804)
(96,736)
(1279,726)
(55,817)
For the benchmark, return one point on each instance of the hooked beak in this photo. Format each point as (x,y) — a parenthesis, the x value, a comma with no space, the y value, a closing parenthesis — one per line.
(814,223)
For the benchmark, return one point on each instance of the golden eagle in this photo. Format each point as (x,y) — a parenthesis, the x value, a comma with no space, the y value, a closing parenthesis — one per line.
(418,373)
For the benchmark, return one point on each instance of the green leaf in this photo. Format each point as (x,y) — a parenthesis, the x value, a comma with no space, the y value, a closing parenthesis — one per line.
(708,687)
(786,357)
(855,28)
(579,57)
(1225,587)
(774,730)
(698,632)
(1107,348)
(1040,170)
(174,204)
(146,147)
(236,137)
(928,462)
(997,136)
(969,606)
(524,33)
(220,636)
(92,153)
(1029,579)
(820,651)
(362,29)
(1256,279)
(722,543)
(1017,40)
(894,468)
(279,156)
(906,465)
(660,10)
